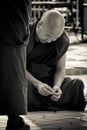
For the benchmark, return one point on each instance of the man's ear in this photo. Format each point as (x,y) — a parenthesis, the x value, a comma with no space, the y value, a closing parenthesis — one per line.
(39,24)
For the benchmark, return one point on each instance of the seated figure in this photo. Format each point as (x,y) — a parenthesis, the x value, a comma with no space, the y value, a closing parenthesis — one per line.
(49,88)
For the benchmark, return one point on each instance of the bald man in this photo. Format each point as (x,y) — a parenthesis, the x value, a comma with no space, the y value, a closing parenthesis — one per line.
(48,87)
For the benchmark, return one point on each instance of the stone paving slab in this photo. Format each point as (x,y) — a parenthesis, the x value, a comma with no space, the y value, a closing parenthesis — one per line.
(76,59)
(3,122)
(60,120)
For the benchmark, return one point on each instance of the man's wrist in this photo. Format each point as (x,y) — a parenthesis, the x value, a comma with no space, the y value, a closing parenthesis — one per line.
(56,86)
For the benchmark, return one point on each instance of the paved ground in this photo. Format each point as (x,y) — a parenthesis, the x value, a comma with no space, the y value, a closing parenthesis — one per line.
(76,67)
(60,120)
(76,63)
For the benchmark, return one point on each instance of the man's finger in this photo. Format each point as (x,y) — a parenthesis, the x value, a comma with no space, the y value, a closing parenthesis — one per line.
(56,94)
(55,98)
(45,92)
(49,89)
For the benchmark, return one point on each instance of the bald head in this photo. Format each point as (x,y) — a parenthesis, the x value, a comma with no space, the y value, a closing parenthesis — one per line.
(51,25)
(53,21)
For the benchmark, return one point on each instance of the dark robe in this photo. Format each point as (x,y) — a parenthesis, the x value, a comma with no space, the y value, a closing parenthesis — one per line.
(14,37)
(41,63)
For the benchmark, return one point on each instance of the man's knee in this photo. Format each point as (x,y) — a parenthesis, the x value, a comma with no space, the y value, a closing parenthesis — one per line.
(78,83)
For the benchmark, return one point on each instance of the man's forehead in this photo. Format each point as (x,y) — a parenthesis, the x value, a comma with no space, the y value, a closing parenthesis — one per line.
(51,32)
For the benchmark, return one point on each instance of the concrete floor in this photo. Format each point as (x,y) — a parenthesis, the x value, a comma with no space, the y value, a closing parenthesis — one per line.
(60,120)
(76,59)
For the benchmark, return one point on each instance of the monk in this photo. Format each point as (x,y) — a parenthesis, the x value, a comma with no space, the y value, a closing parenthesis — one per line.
(49,88)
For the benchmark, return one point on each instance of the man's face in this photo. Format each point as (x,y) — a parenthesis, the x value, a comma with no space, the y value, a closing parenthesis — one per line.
(44,35)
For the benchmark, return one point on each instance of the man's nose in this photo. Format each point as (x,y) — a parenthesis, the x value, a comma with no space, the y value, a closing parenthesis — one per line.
(49,40)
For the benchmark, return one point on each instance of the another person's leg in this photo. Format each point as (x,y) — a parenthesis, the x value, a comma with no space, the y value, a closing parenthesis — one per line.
(16,123)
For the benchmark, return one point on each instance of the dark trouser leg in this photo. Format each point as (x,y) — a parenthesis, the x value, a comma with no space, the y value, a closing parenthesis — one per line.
(73,95)
(35,100)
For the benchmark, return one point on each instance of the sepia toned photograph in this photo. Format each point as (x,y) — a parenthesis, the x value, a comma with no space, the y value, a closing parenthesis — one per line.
(43,67)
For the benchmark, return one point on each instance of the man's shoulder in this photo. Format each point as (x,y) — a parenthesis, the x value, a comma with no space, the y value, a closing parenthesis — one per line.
(63,42)
(64,38)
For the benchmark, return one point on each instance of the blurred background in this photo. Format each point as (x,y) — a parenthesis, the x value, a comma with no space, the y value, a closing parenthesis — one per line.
(74,12)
